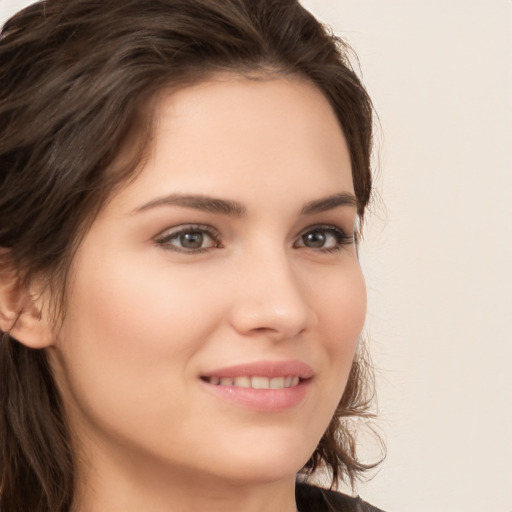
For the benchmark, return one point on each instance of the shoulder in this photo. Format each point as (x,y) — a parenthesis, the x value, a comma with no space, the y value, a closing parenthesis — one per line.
(315,499)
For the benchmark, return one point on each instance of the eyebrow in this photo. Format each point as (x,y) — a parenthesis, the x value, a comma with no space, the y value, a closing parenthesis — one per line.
(198,202)
(236,209)
(329,203)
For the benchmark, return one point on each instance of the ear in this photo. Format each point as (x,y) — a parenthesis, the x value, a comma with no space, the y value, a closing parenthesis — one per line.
(21,312)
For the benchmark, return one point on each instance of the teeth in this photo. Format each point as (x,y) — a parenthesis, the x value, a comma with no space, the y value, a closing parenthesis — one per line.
(256,382)
(260,382)
(276,383)
(243,382)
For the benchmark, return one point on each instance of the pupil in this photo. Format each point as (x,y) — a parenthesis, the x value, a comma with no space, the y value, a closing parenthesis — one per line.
(314,239)
(192,240)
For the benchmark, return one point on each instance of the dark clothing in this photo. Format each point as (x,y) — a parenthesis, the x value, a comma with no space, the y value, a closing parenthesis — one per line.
(314,499)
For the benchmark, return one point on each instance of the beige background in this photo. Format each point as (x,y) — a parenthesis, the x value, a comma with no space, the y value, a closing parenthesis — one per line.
(438,251)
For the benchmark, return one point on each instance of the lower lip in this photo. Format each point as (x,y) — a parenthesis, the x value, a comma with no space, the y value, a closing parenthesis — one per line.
(265,400)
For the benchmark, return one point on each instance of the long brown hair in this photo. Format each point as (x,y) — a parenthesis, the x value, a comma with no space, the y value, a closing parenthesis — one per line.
(76,81)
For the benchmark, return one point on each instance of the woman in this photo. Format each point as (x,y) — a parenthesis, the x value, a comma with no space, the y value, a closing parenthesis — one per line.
(181,302)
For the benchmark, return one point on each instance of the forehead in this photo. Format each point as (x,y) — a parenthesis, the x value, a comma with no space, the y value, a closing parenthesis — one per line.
(236,137)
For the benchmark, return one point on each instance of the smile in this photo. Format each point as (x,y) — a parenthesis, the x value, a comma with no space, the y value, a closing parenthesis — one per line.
(255,382)
(265,386)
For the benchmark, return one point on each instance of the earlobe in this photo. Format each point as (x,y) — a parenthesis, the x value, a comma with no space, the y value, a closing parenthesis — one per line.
(21,315)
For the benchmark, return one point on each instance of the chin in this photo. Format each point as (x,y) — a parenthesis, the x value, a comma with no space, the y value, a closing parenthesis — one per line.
(266,461)
(251,473)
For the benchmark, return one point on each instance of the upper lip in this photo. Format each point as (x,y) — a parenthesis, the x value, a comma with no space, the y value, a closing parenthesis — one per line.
(268,369)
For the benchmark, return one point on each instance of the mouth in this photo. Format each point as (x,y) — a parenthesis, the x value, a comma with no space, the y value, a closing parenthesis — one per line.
(266,386)
(255,382)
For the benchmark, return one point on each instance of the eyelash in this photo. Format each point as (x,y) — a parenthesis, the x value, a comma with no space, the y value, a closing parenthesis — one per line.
(165,240)
(341,238)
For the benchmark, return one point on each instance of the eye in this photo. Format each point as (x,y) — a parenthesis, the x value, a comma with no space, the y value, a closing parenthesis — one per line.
(189,239)
(324,238)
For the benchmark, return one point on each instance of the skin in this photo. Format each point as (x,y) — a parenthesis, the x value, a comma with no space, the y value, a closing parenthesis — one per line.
(146,317)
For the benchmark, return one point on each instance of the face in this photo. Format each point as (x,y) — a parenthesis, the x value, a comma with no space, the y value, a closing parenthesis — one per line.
(216,303)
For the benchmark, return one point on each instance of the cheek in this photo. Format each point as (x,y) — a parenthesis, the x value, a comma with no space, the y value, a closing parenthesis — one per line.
(342,313)
(341,309)
(127,346)
(131,331)
(142,309)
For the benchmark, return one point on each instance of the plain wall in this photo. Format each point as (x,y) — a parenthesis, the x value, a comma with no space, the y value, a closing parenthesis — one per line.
(438,250)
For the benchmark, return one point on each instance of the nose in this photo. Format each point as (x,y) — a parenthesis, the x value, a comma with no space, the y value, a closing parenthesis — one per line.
(271,298)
